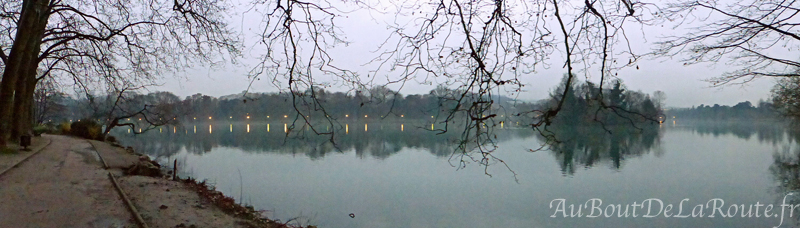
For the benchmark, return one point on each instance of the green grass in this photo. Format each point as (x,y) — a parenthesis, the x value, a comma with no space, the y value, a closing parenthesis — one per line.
(6,150)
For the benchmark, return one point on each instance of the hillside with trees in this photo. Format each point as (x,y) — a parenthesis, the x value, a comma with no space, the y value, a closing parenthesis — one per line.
(742,111)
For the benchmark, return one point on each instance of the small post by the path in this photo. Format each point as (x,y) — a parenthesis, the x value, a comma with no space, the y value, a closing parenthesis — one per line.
(175,169)
(25,141)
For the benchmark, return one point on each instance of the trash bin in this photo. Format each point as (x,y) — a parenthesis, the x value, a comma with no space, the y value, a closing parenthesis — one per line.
(25,141)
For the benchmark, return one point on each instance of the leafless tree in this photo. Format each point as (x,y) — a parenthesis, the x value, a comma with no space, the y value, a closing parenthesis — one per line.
(125,107)
(103,42)
(47,100)
(478,48)
(786,96)
(484,48)
(756,35)
(660,98)
(295,38)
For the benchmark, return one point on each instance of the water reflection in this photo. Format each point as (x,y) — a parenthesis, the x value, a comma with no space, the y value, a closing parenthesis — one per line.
(588,146)
(374,142)
(772,132)
(701,161)
(573,147)
(786,170)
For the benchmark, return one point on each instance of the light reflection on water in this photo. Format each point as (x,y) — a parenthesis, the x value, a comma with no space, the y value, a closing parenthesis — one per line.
(396,178)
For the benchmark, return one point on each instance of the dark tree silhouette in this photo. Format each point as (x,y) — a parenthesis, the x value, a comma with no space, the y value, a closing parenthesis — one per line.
(477,49)
(101,43)
(117,108)
(786,97)
(757,35)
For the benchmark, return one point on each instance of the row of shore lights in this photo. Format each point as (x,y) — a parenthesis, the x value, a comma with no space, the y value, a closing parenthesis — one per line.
(287,116)
(248,117)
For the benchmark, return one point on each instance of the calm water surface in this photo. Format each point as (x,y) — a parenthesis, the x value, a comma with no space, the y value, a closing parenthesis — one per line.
(390,175)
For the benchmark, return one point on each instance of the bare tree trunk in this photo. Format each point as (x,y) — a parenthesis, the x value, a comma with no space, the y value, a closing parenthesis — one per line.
(23,104)
(110,126)
(24,54)
(19,102)
(18,115)
(31,106)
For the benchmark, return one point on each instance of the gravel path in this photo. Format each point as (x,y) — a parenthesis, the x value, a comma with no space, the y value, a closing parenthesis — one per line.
(64,185)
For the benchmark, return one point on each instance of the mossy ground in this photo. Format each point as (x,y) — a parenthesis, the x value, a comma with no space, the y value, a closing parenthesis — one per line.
(8,150)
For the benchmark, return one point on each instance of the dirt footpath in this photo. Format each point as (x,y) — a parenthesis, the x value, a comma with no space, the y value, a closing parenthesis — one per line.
(61,186)
(65,185)
(162,202)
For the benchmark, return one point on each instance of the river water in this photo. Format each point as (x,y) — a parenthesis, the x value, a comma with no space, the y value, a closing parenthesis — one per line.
(401,175)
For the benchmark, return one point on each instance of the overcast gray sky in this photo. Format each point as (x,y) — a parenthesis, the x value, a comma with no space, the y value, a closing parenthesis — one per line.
(684,85)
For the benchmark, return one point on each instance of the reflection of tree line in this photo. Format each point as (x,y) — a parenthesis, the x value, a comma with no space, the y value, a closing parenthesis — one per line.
(765,131)
(381,140)
(585,146)
(590,145)
(574,146)
(786,169)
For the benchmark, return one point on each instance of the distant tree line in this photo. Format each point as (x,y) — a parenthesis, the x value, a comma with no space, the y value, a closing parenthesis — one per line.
(374,104)
(620,106)
(742,110)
